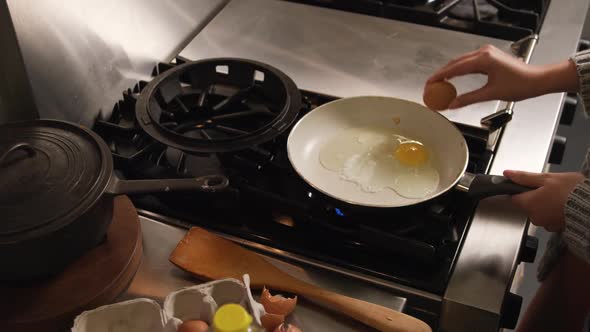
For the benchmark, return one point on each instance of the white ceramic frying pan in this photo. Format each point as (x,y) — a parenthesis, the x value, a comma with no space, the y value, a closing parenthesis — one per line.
(403,117)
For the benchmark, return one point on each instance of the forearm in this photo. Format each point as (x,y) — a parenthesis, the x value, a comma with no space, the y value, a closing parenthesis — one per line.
(572,75)
(559,77)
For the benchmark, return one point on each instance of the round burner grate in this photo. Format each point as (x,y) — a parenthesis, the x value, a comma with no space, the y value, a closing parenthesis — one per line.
(218,105)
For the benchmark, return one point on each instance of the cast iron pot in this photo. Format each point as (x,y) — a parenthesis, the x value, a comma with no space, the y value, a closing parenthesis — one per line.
(57,188)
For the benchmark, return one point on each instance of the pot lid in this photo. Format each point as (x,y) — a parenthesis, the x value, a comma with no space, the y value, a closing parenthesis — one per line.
(51,172)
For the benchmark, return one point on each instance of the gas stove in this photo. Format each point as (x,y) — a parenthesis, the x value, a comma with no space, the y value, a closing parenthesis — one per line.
(269,203)
(423,253)
(505,19)
(334,52)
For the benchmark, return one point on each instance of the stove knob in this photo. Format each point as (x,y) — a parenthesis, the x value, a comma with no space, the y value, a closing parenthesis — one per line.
(557,150)
(583,45)
(528,251)
(510,311)
(568,111)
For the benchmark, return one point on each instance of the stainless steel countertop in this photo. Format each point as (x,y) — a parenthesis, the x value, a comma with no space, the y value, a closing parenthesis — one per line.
(81,55)
(340,53)
(15,89)
(157,277)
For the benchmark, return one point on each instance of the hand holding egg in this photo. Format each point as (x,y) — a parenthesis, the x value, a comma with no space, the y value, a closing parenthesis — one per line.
(439,95)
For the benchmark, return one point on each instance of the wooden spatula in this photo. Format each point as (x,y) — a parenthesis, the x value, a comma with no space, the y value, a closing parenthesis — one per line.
(209,256)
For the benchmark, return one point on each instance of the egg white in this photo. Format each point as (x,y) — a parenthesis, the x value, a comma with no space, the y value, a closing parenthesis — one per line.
(365,156)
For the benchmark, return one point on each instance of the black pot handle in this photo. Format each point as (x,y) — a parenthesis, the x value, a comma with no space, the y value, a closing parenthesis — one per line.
(482,186)
(18,146)
(209,183)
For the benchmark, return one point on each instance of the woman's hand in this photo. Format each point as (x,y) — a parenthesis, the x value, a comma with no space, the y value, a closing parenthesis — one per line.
(509,78)
(545,205)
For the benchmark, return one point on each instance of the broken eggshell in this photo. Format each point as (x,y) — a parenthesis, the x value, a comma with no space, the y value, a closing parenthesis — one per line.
(271,321)
(144,315)
(277,304)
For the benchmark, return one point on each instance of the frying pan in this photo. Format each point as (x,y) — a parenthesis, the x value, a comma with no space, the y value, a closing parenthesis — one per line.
(402,117)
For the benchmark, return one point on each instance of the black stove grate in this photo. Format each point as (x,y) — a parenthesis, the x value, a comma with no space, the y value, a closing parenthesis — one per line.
(270,204)
(504,19)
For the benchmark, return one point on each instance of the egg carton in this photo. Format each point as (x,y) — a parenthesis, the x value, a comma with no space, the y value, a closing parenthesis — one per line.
(190,303)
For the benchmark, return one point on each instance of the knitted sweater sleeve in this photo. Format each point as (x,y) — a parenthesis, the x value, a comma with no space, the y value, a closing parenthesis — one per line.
(577,209)
(582,61)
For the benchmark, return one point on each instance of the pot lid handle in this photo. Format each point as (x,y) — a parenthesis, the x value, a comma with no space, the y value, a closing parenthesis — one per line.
(18,146)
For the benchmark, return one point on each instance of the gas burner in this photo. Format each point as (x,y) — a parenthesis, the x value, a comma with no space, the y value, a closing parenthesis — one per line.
(218,105)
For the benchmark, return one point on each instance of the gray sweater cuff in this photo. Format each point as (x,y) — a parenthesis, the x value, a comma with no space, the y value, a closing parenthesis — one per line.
(577,221)
(582,61)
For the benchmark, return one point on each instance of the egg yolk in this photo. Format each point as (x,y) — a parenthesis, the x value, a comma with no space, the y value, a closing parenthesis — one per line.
(411,154)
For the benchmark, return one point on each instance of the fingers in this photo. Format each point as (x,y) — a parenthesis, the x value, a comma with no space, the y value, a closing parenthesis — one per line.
(437,76)
(471,65)
(528,179)
(464,56)
(474,62)
(526,200)
(479,95)
(539,210)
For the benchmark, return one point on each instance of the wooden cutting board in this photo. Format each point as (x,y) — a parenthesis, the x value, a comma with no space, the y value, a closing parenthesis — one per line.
(95,279)
(211,257)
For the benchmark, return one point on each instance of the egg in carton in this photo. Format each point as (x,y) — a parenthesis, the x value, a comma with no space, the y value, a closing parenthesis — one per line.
(190,303)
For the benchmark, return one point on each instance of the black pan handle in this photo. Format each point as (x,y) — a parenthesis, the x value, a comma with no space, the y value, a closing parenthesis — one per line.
(209,183)
(18,146)
(482,186)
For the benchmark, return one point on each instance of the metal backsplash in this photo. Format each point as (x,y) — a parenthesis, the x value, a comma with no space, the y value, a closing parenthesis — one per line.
(15,90)
(80,55)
